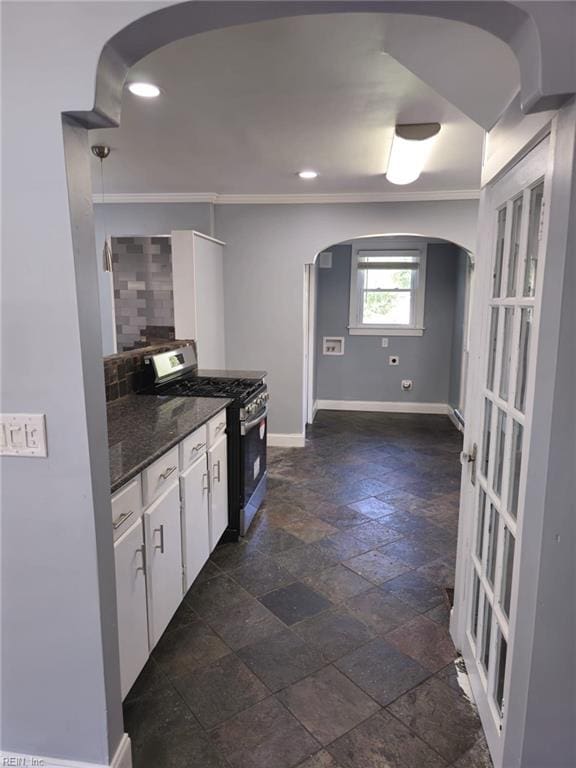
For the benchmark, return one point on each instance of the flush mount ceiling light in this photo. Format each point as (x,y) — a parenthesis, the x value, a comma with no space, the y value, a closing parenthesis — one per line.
(146,90)
(410,149)
(308,174)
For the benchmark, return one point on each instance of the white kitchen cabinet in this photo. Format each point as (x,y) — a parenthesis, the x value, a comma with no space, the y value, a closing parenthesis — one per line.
(194,492)
(164,561)
(198,282)
(129,558)
(218,465)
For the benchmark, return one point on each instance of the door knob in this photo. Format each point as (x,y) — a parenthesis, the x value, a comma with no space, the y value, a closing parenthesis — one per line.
(470,458)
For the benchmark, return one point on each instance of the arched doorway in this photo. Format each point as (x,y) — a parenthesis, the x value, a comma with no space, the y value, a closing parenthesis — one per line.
(334,277)
(76,490)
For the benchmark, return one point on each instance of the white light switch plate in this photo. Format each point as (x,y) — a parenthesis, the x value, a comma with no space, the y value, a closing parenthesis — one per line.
(23,434)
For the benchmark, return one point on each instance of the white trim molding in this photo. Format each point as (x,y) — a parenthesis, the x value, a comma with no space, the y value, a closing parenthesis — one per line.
(122,759)
(384,331)
(280,440)
(288,199)
(378,406)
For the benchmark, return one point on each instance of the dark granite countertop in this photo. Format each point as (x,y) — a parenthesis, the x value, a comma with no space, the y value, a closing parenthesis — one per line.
(231,374)
(143,427)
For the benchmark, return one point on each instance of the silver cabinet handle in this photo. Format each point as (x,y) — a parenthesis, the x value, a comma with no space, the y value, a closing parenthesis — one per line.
(205,482)
(167,472)
(214,469)
(161,545)
(120,519)
(220,426)
(143,566)
(197,448)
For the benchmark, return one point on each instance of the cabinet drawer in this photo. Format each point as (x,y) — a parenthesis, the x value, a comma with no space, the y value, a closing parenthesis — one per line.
(192,447)
(126,507)
(159,476)
(216,427)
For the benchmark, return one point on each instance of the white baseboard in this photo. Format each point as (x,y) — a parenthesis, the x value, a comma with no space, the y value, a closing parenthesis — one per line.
(122,759)
(377,406)
(314,409)
(296,440)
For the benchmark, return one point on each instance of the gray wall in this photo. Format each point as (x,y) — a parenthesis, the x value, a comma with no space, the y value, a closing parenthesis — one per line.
(458,328)
(267,248)
(363,372)
(138,219)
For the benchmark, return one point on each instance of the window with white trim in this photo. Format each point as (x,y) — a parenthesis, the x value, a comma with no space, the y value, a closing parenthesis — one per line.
(387,290)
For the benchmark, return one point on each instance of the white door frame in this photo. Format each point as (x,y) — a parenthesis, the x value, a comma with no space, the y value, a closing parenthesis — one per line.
(465,351)
(505,187)
(310,298)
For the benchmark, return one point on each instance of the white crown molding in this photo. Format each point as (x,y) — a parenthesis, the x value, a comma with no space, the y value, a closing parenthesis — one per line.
(358,197)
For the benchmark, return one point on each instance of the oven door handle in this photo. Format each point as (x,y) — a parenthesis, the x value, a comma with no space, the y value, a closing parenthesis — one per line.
(246,426)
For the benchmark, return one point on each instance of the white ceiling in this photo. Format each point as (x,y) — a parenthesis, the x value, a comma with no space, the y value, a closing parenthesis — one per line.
(243,109)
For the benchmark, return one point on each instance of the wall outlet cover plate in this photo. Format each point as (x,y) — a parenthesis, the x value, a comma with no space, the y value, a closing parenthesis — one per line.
(23,434)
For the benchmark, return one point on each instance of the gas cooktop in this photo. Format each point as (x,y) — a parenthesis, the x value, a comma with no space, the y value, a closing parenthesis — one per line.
(205,386)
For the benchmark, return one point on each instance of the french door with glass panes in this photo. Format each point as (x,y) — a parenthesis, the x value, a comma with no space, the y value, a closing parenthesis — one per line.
(497,430)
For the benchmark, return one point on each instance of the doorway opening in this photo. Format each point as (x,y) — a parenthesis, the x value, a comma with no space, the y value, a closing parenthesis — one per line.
(386,327)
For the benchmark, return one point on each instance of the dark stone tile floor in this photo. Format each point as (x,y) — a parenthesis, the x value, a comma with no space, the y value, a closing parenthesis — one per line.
(321,640)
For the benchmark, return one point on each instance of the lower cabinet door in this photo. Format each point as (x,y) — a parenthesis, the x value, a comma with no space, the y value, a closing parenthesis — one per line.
(131,602)
(164,555)
(194,484)
(218,464)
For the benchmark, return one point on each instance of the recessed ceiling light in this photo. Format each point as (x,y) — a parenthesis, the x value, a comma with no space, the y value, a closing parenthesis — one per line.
(411,146)
(308,174)
(146,90)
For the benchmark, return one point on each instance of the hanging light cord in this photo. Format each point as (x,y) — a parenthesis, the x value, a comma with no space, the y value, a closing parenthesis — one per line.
(107,251)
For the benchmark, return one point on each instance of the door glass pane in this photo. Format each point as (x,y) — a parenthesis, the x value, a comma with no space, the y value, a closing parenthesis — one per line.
(475,606)
(486,437)
(523,358)
(515,467)
(480,525)
(502,648)
(500,234)
(494,315)
(506,353)
(499,452)
(492,544)
(486,634)
(514,247)
(508,565)
(531,263)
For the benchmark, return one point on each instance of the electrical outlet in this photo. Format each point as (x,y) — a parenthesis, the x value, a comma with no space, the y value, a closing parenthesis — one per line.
(393,360)
(406,385)
(384,342)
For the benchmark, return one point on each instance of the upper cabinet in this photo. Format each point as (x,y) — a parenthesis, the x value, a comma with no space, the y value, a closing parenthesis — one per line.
(198,274)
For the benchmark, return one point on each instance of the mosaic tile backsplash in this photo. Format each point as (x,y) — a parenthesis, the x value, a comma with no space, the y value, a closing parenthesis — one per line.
(125,372)
(143,293)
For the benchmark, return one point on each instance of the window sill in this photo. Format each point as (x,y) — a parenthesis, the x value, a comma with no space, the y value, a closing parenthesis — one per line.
(383,331)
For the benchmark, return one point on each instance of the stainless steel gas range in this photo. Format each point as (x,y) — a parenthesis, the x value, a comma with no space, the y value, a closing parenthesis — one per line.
(175,373)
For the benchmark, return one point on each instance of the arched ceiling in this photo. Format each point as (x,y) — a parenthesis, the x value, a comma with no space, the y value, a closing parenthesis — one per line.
(244,108)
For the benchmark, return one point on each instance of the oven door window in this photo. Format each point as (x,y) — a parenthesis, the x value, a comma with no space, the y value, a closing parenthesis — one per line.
(254,457)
